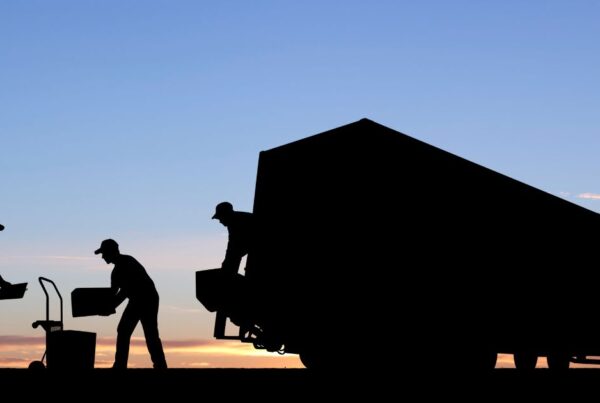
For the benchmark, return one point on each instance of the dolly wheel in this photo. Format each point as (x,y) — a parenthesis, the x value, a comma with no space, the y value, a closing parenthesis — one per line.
(37,365)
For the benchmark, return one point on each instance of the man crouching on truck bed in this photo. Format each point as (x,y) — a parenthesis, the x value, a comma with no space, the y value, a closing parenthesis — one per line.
(240,226)
(3,283)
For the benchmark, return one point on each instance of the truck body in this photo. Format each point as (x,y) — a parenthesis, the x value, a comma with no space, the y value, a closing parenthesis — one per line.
(373,246)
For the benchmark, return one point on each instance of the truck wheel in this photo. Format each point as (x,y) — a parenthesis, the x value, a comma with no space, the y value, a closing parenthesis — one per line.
(311,359)
(559,361)
(488,360)
(480,360)
(525,360)
(36,366)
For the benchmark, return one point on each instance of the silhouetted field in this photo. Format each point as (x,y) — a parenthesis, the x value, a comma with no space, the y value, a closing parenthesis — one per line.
(182,385)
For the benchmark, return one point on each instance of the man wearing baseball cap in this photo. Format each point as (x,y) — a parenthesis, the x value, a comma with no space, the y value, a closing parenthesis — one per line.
(3,283)
(240,226)
(130,280)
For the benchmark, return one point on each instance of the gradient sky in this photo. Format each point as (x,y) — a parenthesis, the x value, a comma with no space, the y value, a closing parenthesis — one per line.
(132,119)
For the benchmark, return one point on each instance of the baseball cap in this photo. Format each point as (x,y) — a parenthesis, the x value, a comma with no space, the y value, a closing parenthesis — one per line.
(222,209)
(107,245)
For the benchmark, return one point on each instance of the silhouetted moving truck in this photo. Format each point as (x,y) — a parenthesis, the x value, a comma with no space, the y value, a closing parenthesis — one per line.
(374,247)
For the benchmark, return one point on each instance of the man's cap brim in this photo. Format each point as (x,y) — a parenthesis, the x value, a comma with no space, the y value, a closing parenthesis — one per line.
(98,251)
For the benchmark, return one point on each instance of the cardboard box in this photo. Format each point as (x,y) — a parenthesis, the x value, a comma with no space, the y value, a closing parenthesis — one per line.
(92,301)
(13,291)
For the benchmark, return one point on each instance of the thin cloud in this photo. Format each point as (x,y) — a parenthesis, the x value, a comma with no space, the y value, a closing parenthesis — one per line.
(6,341)
(12,360)
(593,196)
(51,257)
(141,342)
(70,257)
(14,340)
(191,343)
(198,364)
(189,346)
(186,310)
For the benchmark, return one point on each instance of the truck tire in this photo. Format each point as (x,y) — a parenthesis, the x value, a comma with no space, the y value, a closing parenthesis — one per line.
(477,360)
(312,360)
(486,361)
(525,360)
(559,361)
(36,366)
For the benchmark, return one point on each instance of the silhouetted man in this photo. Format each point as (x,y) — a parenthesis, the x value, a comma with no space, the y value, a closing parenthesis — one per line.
(130,280)
(240,226)
(3,283)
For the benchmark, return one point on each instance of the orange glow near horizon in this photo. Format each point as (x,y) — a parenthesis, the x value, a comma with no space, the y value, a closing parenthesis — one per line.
(18,352)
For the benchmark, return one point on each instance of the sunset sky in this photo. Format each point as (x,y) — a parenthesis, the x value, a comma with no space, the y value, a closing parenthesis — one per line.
(131,119)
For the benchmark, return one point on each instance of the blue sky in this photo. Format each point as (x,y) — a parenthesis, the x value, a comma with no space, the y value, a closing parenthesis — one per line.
(132,119)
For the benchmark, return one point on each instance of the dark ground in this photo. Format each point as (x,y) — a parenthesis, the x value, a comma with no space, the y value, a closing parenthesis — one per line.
(182,385)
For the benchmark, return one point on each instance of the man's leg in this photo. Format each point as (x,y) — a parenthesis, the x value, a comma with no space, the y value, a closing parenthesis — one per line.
(220,324)
(150,324)
(125,329)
